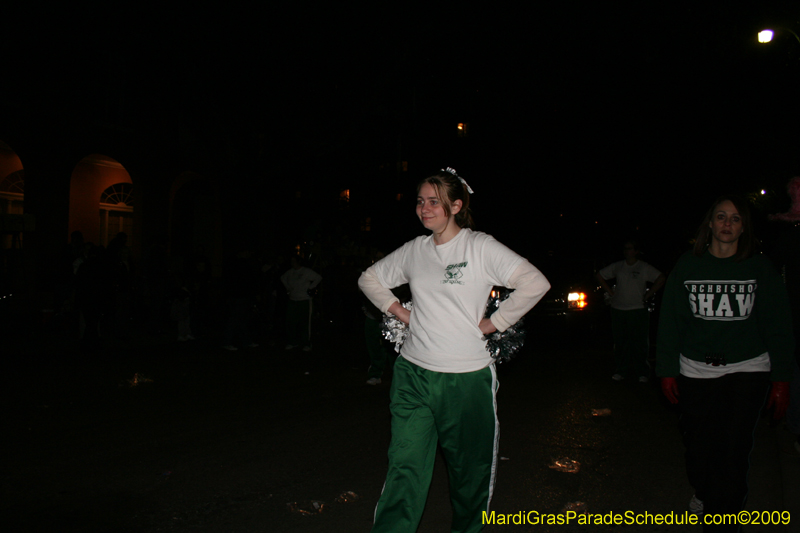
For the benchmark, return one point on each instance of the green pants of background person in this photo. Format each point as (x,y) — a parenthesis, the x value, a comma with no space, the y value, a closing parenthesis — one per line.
(631,330)
(298,323)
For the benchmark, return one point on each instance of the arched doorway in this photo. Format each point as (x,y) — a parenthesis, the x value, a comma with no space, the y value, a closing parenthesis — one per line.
(116,212)
(12,193)
(12,197)
(100,184)
(12,221)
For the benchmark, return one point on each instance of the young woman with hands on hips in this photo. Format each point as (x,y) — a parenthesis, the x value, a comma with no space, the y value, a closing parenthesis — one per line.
(444,383)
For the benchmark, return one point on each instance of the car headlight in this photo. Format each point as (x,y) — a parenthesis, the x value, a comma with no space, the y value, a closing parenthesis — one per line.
(577,300)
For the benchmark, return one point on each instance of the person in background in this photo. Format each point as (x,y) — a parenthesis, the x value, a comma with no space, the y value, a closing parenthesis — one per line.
(182,308)
(630,321)
(724,334)
(298,281)
(90,290)
(241,283)
(378,356)
(786,254)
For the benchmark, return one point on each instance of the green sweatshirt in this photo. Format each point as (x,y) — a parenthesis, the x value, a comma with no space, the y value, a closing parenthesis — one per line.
(715,306)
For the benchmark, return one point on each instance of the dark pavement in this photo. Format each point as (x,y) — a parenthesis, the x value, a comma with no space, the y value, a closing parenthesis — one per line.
(227,441)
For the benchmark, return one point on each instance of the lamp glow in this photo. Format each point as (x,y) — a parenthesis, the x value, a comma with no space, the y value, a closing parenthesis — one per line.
(765,36)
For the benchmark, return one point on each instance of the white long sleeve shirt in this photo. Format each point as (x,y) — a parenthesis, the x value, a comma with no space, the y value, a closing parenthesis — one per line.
(450,286)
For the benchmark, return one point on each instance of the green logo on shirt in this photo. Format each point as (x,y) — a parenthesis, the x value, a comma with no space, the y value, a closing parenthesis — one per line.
(452,273)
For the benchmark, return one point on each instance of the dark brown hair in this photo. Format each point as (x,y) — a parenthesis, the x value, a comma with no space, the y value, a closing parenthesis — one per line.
(449,188)
(747,241)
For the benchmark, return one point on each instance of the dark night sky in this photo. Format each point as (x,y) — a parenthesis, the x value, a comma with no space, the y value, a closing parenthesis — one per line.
(611,113)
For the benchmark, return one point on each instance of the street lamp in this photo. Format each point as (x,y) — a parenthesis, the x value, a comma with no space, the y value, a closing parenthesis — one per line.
(765,36)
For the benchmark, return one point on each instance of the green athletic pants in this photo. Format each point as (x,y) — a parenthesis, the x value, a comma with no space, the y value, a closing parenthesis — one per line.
(631,331)
(298,322)
(457,410)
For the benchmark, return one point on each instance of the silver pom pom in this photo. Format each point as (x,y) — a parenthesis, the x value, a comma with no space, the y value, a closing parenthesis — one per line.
(394,330)
(503,345)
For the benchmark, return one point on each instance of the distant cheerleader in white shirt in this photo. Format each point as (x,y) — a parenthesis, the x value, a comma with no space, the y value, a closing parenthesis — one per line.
(444,383)
(298,280)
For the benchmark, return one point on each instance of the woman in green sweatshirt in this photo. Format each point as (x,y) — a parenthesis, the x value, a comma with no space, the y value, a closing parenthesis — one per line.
(724,334)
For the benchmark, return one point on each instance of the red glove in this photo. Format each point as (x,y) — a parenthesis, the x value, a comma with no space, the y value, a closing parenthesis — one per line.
(669,386)
(778,399)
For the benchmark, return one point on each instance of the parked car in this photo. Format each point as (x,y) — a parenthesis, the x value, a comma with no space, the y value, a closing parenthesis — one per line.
(575,299)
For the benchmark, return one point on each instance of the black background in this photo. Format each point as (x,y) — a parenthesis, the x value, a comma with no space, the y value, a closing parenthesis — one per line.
(587,121)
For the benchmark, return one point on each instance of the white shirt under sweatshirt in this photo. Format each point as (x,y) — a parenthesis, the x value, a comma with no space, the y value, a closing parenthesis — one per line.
(450,286)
